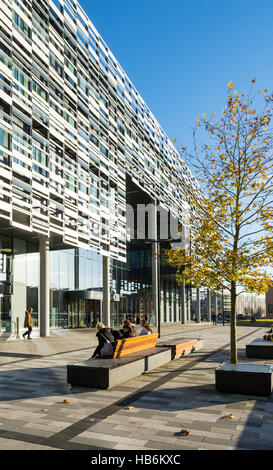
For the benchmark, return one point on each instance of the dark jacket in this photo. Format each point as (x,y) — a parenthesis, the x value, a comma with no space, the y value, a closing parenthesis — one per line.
(127,334)
(101,335)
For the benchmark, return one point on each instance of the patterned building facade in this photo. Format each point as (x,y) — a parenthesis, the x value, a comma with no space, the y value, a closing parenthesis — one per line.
(74,135)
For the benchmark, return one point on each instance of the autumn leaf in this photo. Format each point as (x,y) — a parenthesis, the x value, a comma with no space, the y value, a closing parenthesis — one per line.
(230,85)
(184,432)
(128,407)
(67,401)
(254,80)
(230,416)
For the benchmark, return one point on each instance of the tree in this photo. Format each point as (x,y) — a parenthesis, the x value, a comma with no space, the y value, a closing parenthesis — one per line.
(231,241)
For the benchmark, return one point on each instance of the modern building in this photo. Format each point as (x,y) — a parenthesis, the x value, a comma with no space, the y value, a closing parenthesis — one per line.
(251,304)
(269,302)
(80,151)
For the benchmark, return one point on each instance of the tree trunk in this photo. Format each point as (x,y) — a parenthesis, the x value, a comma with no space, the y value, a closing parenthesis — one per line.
(233,336)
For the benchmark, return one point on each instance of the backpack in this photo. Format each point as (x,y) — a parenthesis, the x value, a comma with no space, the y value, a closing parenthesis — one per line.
(107,349)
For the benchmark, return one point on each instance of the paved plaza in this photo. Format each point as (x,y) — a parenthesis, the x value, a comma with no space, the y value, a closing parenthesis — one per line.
(145,413)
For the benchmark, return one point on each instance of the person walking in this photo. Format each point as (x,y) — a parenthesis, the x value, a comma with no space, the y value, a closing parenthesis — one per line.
(28,323)
(213,317)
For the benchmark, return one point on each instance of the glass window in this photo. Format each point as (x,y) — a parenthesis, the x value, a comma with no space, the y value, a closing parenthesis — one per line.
(38,89)
(21,24)
(55,269)
(64,269)
(4,139)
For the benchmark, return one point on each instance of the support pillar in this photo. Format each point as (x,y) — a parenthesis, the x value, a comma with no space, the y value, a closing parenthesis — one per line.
(44,287)
(155,290)
(216,304)
(106,317)
(183,303)
(189,303)
(198,305)
(209,305)
(155,267)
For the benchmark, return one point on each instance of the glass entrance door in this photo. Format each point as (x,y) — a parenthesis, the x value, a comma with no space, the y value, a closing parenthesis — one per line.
(73,314)
(84,313)
(93,313)
(5,313)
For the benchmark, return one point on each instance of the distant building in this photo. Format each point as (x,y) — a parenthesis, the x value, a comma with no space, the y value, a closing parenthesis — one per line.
(269,302)
(251,304)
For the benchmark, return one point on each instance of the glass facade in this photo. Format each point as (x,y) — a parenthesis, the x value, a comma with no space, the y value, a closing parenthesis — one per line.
(76,286)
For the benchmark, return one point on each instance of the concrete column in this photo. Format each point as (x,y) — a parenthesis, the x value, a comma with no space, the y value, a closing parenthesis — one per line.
(189,303)
(44,287)
(155,264)
(216,304)
(198,305)
(209,305)
(155,290)
(183,303)
(106,317)
(76,269)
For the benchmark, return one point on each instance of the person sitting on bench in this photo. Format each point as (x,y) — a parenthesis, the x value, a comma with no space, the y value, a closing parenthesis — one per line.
(127,330)
(146,329)
(106,340)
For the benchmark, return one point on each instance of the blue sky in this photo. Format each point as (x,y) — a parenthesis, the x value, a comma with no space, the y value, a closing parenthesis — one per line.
(181,54)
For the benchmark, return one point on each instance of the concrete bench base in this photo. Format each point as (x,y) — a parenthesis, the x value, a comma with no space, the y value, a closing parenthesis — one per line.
(260,348)
(179,347)
(107,373)
(249,379)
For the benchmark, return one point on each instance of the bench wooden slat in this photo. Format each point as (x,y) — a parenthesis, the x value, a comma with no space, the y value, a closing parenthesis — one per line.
(136,344)
(181,347)
(186,347)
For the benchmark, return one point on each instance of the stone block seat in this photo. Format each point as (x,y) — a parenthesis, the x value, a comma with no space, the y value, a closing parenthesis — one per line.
(132,357)
(184,346)
(245,378)
(260,349)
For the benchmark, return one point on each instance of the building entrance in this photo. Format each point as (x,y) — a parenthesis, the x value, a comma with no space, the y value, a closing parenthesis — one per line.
(83,313)
(5,313)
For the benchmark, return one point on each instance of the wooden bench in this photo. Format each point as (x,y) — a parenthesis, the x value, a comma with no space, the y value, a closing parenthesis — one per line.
(183,347)
(135,344)
(132,357)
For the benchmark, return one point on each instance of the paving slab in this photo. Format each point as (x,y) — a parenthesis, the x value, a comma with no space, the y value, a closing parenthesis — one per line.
(179,394)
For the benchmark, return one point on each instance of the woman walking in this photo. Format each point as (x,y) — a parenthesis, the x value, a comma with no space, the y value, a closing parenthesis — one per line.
(28,323)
